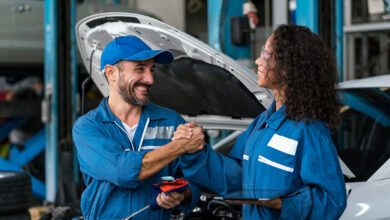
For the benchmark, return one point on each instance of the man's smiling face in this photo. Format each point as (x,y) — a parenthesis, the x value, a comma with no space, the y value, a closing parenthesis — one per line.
(134,80)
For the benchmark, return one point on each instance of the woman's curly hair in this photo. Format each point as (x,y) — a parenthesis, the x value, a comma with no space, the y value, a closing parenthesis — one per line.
(305,71)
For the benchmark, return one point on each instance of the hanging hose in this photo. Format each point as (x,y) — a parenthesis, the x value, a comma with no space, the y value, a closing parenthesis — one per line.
(85,82)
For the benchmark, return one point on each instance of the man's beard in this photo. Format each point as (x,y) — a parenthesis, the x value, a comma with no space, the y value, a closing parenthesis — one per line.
(128,95)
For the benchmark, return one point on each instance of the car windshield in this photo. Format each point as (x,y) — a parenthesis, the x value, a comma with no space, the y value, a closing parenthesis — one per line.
(362,138)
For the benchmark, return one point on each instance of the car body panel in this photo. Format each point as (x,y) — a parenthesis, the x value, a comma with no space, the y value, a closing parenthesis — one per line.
(370,82)
(368,200)
(215,122)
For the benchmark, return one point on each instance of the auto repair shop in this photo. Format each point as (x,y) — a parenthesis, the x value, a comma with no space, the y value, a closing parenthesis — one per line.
(50,75)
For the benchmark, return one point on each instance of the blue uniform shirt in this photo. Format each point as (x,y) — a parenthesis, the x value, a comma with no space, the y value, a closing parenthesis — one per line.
(276,153)
(111,162)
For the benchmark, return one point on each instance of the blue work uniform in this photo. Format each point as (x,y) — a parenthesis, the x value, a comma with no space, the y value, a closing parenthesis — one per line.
(111,162)
(281,155)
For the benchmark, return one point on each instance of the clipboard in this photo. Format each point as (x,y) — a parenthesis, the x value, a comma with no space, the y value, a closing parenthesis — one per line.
(253,195)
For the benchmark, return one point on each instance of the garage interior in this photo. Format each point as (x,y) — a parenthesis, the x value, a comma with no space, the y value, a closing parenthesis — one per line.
(44,86)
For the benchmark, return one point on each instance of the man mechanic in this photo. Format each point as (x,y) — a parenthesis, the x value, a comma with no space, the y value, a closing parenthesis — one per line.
(124,145)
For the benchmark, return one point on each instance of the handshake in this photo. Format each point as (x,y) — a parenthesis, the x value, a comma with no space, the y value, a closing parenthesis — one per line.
(191,137)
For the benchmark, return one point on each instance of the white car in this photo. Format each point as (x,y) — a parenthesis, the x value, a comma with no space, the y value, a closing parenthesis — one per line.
(210,88)
(363,142)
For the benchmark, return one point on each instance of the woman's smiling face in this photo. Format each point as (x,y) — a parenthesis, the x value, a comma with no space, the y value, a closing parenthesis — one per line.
(264,65)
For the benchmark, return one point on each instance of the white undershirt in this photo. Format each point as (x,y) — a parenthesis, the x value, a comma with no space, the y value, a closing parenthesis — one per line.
(130,130)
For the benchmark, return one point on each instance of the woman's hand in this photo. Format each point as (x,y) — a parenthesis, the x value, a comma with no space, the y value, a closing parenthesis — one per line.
(273,203)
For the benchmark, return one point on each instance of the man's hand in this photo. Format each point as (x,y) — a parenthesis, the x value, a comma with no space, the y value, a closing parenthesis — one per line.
(173,199)
(191,136)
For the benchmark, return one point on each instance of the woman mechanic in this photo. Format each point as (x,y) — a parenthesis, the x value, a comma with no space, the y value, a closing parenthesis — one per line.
(288,147)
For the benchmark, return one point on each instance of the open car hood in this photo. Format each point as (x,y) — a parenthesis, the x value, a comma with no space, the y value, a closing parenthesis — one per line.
(202,84)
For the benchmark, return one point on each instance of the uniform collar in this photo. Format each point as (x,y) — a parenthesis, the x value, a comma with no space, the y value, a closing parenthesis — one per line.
(105,114)
(275,118)
(153,112)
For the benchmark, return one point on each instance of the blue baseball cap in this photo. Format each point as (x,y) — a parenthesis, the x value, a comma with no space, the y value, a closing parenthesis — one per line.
(134,49)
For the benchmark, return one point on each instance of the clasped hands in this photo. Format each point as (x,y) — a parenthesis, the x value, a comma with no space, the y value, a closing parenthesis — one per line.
(191,135)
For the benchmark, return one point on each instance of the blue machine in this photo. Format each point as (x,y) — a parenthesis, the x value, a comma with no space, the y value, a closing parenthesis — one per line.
(218,18)
(18,158)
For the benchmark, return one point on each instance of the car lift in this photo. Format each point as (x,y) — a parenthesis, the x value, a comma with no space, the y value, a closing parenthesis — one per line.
(32,147)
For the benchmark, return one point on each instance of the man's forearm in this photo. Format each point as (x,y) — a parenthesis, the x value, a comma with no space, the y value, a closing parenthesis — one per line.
(154,161)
